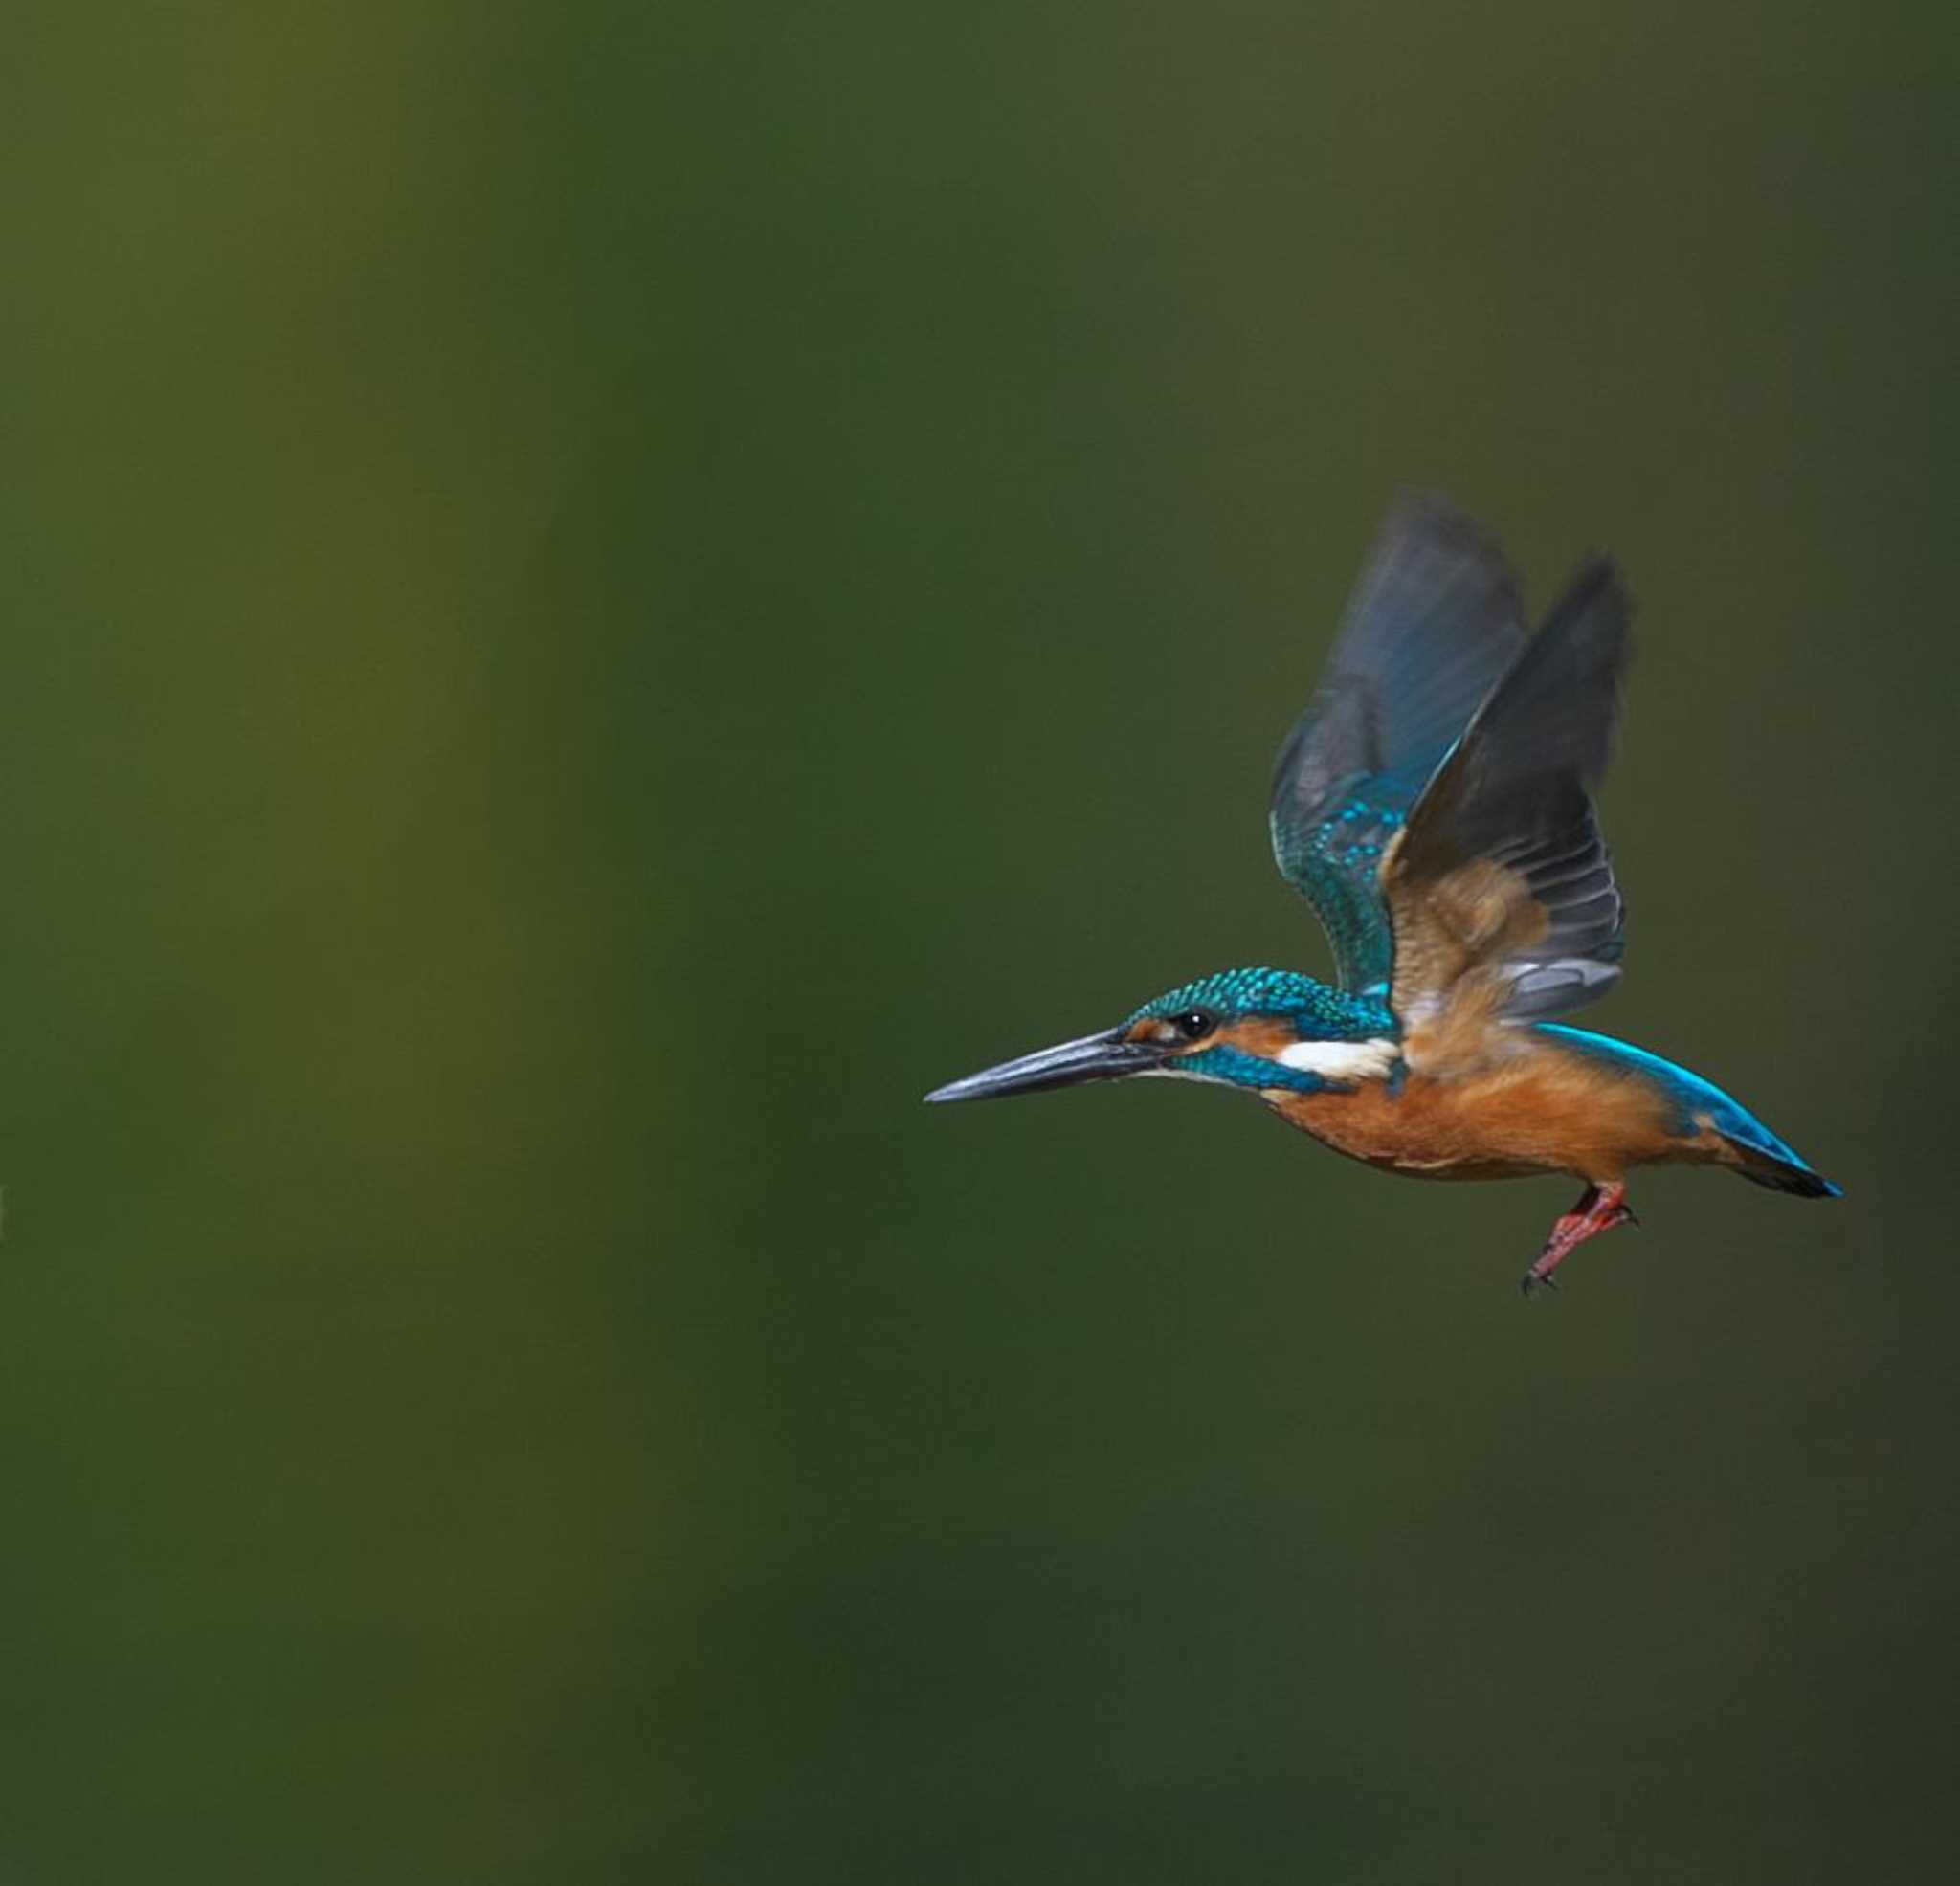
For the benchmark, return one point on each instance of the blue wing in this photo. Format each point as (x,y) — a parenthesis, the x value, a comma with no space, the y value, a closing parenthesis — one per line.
(1434,623)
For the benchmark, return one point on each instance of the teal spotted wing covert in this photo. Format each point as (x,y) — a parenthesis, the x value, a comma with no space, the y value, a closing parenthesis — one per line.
(1434,623)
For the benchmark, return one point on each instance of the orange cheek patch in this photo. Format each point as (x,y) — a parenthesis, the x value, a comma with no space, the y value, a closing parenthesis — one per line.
(1258,1034)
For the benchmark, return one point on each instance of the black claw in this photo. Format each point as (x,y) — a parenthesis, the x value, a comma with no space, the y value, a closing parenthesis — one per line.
(1535,1281)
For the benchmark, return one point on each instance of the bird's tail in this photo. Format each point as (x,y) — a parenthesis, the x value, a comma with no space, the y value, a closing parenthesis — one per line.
(1762,1168)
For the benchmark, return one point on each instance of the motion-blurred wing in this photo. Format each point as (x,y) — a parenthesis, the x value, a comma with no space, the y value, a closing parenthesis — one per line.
(1432,624)
(1500,884)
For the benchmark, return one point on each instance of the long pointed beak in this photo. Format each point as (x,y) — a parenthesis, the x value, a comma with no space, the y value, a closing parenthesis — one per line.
(1105,1057)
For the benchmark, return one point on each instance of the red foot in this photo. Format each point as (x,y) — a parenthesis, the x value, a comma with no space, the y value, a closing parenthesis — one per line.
(1600,1208)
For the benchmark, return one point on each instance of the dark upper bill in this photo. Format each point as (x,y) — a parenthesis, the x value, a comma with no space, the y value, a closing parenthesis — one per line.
(1105,1056)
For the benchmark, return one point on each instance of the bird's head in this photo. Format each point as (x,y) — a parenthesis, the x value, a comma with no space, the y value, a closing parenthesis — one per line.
(1263,1030)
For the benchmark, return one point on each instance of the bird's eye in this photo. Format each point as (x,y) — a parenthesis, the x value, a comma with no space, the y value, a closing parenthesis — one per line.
(1194,1024)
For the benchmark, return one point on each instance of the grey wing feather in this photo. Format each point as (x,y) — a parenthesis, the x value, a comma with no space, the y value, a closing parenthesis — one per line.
(1517,793)
(1434,622)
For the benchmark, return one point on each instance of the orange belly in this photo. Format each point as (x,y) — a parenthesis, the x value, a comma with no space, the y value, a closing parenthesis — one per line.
(1545,1111)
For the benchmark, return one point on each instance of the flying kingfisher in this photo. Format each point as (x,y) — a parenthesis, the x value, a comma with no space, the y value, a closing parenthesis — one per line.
(1434,806)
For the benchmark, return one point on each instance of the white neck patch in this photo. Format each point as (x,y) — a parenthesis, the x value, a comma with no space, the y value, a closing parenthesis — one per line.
(1171,1072)
(1342,1061)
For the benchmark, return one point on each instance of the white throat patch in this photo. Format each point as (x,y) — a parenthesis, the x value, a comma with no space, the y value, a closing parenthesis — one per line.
(1341,1060)
(1172,1072)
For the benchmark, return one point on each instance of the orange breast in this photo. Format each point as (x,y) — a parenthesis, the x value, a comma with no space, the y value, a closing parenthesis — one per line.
(1546,1110)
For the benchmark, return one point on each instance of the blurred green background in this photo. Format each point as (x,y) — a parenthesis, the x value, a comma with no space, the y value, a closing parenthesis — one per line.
(602,594)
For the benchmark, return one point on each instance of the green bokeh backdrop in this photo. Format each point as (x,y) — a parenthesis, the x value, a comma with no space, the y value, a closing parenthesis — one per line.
(598,596)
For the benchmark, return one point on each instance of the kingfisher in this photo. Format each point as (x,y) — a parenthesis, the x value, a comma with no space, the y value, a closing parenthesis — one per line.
(1433,805)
